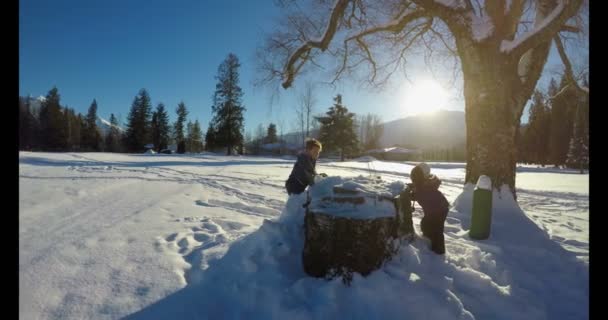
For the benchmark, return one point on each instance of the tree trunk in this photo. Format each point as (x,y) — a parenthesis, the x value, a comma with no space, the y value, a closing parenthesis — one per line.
(493,102)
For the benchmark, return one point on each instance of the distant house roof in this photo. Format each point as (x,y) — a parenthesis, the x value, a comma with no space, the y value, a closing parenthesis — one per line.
(394,150)
(149,146)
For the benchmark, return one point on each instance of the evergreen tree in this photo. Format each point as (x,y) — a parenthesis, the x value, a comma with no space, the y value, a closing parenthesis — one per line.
(338,132)
(189,137)
(182,113)
(75,130)
(25,124)
(91,136)
(113,136)
(154,130)
(271,136)
(538,130)
(227,107)
(197,137)
(562,121)
(51,123)
(138,126)
(163,129)
(68,129)
(578,154)
(210,143)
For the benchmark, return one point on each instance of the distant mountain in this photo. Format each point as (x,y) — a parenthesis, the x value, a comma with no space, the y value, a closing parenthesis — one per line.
(103,124)
(441,129)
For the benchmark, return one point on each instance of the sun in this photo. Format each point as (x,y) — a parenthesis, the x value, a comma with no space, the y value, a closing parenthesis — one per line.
(424,96)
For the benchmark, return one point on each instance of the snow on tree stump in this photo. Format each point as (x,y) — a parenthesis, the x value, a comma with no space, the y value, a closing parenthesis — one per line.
(350,231)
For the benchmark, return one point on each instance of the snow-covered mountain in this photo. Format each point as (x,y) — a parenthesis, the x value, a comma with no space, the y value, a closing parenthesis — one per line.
(105,125)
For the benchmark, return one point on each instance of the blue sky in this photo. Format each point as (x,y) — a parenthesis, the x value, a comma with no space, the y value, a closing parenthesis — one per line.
(108,50)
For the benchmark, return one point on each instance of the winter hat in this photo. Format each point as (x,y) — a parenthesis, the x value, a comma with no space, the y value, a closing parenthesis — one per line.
(426,170)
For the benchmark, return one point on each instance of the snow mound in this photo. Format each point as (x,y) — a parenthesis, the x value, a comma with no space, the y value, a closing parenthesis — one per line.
(150,151)
(509,276)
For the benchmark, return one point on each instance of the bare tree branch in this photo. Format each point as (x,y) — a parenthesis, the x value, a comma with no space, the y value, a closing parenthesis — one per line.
(304,50)
(440,36)
(369,57)
(395,26)
(568,67)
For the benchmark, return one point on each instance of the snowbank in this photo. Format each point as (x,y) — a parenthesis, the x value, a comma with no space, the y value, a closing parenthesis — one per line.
(517,274)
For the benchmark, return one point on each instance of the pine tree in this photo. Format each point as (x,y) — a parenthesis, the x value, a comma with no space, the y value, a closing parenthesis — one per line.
(51,123)
(562,121)
(182,113)
(538,130)
(25,124)
(73,129)
(578,154)
(271,135)
(210,143)
(197,137)
(138,127)
(338,131)
(113,136)
(68,129)
(162,120)
(154,130)
(227,107)
(189,137)
(91,137)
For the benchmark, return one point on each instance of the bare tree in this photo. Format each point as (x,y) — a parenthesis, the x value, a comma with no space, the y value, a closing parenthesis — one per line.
(501,47)
(300,121)
(305,109)
(258,139)
(371,130)
(308,101)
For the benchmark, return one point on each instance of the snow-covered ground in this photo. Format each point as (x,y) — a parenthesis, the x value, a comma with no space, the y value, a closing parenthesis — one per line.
(157,236)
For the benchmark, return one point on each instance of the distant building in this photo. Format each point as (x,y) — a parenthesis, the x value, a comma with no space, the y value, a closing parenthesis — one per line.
(279,148)
(395,154)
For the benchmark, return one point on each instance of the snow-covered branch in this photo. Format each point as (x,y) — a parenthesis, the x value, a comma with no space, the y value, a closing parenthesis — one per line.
(448,11)
(544,30)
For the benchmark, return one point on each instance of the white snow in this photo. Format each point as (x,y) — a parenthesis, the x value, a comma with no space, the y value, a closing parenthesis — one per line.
(454,4)
(508,6)
(481,27)
(205,236)
(371,189)
(484,183)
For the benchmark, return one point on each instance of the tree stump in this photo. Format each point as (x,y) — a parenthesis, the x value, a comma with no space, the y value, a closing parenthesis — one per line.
(340,245)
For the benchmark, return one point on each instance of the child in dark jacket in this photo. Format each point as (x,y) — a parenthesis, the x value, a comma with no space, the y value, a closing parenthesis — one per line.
(303,172)
(434,205)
